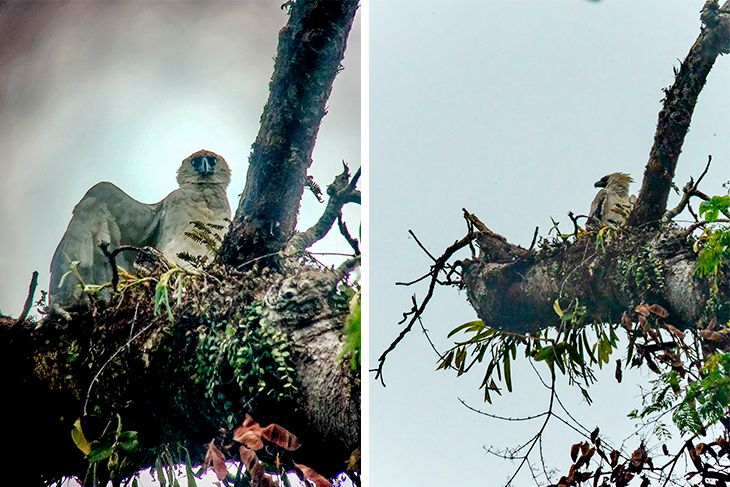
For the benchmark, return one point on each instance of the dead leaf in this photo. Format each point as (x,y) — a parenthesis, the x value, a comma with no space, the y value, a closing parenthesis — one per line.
(657,310)
(250,434)
(614,458)
(214,458)
(259,477)
(643,309)
(312,475)
(281,437)
(574,451)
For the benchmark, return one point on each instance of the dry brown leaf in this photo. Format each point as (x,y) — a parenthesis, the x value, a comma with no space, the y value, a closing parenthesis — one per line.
(250,434)
(312,475)
(626,321)
(638,457)
(657,310)
(643,309)
(574,451)
(259,477)
(614,458)
(214,458)
(281,437)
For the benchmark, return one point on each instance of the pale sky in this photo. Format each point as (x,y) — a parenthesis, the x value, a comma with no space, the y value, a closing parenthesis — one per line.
(511,109)
(123,92)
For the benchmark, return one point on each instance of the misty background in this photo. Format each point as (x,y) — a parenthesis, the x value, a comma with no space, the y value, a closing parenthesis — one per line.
(511,109)
(123,91)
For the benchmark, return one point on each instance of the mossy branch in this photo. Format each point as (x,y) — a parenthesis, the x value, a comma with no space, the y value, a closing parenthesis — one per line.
(341,191)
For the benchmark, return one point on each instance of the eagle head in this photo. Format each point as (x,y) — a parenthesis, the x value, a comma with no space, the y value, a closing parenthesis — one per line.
(617,179)
(204,167)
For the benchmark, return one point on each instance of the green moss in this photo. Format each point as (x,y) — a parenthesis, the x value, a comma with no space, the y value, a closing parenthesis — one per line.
(243,357)
(642,274)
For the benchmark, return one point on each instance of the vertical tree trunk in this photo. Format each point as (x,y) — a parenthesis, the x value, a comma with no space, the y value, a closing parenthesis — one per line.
(676,114)
(311,47)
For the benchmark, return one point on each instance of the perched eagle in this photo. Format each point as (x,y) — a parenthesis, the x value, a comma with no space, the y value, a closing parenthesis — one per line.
(108,214)
(612,204)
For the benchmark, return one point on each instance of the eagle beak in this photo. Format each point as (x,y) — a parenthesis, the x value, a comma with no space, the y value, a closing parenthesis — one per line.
(601,183)
(206,168)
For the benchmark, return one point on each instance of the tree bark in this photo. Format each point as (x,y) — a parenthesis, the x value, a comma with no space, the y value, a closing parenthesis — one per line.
(311,48)
(655,267)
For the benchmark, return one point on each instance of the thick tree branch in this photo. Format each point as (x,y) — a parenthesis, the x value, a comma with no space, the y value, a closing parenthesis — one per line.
(654,267)
(311,48)
(676,114)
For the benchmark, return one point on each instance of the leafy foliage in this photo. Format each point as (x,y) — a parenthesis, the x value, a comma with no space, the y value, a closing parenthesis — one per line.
(571,348)
(247,355)
(112,447)
(713,245)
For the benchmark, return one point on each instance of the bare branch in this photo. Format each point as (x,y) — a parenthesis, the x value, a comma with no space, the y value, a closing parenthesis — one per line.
(417,310)
(29,298)
(341,191)
(346,233)
(690,189)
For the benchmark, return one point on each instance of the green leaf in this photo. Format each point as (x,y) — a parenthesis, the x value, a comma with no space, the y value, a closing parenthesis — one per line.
(189,475)
(128,441)
(474,326)
(101,452)
(544,353)
(507,372)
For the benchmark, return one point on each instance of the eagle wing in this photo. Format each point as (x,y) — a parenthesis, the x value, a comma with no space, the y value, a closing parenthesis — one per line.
(104,214)
(595,216)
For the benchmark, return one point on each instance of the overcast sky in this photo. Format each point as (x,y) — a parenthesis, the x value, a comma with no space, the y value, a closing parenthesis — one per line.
(511,109)
(123,91)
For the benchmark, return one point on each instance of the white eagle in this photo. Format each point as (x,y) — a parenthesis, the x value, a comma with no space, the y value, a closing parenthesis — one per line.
(612,205)
(108,214)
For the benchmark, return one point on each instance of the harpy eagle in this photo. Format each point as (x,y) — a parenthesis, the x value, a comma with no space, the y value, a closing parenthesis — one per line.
(612,205)
(108,214)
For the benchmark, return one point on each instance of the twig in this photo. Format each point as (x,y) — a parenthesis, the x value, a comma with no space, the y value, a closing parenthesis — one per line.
(345,233)
(260,257)
(112,257)
(502,418)
(98,373)
(534,239)
(690,189)
(535,439)
(29,299)
(421,245)
(574,219)
(688,231)
(417,310)
(346,267)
